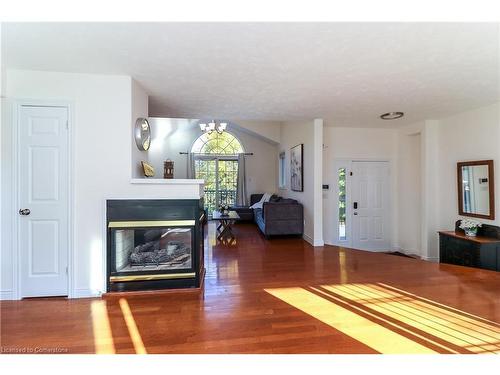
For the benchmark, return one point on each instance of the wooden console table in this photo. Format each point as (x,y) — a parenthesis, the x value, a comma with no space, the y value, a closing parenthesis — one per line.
(482,251)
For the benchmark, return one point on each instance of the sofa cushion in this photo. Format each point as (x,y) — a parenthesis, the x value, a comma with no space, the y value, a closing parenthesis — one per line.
(254,198)
(286,201)
(257,213)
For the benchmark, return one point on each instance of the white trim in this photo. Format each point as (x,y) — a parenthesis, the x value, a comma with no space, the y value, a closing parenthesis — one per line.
(318,182)
(174,181)
(84,293)
(104,265)
(318,243)
(430,259)
(308,239)
(312,242)
(337,164)
(16,263)
(6,295)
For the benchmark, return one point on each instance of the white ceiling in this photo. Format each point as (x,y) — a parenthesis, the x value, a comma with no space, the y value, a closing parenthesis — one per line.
(347,73)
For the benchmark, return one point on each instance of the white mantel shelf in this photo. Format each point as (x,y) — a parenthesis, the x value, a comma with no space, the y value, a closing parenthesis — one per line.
(163,181)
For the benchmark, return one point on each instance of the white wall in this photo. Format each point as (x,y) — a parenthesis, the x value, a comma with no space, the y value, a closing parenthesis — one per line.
(262,166)
(103,108)
(7,208)
(171,136)
(471,135)
(355,144)
(310,133)
(139,109)
(269,130)
(5,257)
(409,193)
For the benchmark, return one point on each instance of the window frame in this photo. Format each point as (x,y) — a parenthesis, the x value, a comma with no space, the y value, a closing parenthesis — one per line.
(282,170)
(337,165)
(200,150)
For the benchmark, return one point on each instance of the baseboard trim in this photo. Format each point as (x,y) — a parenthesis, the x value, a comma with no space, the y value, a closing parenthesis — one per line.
(84,293)
(308,239)
(431,259)
(313,242)
(7,295)
(409,252)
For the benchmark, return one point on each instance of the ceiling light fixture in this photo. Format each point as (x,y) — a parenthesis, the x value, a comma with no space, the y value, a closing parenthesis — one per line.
(392,115)
(209,127)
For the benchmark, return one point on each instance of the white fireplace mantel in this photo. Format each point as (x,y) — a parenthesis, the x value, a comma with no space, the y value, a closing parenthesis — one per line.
(169,188)
(164,181)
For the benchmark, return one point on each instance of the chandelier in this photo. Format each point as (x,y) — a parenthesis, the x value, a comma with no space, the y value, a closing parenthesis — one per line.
(209,127)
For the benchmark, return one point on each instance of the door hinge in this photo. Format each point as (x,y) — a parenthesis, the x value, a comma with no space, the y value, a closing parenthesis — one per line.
(66,270)
(67,124)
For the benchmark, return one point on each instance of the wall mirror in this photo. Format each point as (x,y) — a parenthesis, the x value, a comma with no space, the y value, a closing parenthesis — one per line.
(476,190)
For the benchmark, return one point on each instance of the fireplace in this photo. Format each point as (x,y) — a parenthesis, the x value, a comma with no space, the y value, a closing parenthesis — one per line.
(154,244)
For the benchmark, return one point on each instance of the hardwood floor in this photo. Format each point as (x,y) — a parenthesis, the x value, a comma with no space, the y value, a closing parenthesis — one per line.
(278,296)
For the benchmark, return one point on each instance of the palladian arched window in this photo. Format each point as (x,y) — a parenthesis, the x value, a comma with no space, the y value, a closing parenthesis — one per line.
(216,159)
(217,144)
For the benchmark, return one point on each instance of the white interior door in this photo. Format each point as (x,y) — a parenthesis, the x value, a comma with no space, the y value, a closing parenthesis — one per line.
(43,199)
(370,205)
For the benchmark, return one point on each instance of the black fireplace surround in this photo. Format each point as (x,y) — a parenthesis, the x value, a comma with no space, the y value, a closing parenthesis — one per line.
(154,244)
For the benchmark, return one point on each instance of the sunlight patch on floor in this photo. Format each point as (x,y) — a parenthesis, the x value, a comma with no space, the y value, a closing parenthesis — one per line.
(459,329)
(359,328)
(103,338)
(132,327)
(390,320)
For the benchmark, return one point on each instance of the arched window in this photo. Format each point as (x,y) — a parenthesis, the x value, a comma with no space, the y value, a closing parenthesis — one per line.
(216,162)
(218,144)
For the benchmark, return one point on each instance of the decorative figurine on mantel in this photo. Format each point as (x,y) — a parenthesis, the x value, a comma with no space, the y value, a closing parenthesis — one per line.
(148,170)
(168,169)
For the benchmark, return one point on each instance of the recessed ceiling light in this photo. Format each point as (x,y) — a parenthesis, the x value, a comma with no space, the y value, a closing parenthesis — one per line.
(392,115)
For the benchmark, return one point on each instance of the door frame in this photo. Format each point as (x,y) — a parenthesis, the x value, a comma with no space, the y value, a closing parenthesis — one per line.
(16,249)
(347,163)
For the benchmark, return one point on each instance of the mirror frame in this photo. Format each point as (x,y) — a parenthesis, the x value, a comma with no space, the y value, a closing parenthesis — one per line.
(491,185)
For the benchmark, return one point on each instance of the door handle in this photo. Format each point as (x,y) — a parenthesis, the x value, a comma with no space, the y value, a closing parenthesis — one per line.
(24,211)
(355,205)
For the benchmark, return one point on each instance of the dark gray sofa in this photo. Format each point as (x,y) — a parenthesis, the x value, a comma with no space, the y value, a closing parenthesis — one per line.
(279,216)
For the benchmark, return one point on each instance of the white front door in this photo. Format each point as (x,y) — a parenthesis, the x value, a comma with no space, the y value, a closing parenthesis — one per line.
(43,200)
(370,206)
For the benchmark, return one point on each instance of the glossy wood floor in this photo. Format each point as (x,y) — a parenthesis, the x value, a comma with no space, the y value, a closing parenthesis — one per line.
(279,296)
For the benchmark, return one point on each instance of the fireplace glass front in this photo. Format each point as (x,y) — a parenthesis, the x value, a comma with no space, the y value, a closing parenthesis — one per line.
(152,249)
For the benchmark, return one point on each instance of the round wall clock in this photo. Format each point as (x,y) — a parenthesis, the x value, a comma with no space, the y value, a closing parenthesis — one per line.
(142,134)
